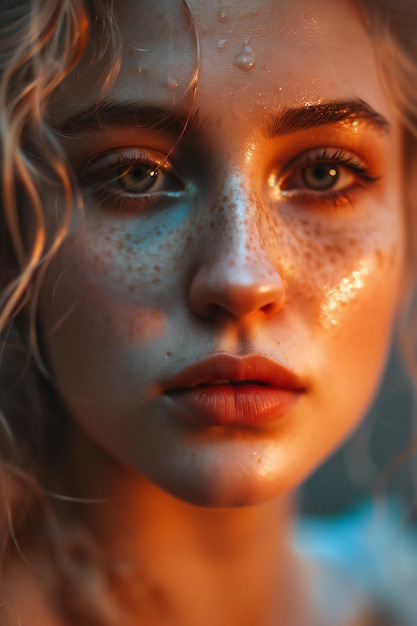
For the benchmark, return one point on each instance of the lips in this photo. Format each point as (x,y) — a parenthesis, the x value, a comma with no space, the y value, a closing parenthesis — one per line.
(230,391)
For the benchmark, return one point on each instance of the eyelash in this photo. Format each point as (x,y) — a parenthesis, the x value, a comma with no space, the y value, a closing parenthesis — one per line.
(336,159)
(159,181)
(105,172)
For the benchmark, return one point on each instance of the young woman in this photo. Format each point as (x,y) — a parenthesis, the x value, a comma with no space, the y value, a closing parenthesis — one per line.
(205,213)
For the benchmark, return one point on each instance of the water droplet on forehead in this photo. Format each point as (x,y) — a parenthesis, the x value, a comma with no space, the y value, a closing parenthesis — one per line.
(172,84)
(246,60)
(221,44)
(222,13)
(222,16)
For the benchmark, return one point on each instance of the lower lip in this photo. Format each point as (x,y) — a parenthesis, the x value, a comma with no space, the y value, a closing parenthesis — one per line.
(240,405)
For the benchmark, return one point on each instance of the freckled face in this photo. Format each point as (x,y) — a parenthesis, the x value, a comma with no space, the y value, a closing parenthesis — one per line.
(265,232)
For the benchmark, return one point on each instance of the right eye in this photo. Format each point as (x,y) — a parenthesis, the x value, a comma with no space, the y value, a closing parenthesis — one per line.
(131,178)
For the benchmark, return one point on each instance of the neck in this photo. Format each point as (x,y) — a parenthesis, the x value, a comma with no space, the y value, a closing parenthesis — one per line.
(199,565)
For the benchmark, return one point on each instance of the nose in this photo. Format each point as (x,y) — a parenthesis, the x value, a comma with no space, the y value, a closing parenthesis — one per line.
(236,275)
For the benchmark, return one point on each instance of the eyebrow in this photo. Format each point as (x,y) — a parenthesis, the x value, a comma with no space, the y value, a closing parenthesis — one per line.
(127,114)
(314,115)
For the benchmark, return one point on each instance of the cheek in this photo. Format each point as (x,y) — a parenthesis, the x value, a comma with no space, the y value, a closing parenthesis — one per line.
(101,300)
(343,278)
(118,279)
(342,271)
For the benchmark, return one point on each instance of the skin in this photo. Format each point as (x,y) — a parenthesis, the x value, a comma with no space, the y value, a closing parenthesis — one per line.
(306,283)
(222,261)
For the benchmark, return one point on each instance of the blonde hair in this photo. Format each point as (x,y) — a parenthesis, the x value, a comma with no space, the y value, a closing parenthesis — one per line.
(393,26)
(41,42)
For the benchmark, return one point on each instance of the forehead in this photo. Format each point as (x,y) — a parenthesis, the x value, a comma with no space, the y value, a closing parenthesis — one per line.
(279,52)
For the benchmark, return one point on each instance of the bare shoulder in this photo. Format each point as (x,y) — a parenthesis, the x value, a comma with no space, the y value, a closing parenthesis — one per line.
(24,601)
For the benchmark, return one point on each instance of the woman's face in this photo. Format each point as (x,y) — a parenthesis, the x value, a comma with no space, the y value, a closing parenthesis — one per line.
(219,319)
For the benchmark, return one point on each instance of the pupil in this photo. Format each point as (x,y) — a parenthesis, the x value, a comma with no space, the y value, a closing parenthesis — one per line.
(138,178)
(138,172)
(320,176)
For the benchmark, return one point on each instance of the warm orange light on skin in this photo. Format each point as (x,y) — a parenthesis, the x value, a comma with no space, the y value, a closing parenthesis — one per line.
(233,262)
(345,291)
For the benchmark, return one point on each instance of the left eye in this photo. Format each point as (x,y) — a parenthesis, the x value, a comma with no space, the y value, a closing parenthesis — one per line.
(130,173)
(137,178)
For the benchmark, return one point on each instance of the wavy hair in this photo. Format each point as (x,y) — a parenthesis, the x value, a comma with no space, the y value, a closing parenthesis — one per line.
(41,42)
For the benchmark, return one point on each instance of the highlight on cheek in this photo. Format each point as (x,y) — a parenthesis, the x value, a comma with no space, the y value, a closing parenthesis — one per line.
(347,289)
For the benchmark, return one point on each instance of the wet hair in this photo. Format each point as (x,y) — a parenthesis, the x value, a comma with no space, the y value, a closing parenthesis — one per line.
(41,43)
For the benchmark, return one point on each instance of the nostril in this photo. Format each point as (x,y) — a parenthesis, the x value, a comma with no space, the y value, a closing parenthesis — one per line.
(215,309)
(268,309)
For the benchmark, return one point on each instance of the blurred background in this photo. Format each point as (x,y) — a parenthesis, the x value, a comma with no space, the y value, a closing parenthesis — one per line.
(372,463)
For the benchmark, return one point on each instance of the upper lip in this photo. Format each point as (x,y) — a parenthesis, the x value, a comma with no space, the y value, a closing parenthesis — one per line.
(229,369)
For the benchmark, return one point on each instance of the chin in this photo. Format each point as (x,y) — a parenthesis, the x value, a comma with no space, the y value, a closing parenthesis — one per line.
(221,497)
(228,489)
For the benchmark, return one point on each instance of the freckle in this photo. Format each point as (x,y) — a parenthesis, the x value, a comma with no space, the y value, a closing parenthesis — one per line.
(379,257)
(168,354)
(156,281)
(156,268)
(332,249)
